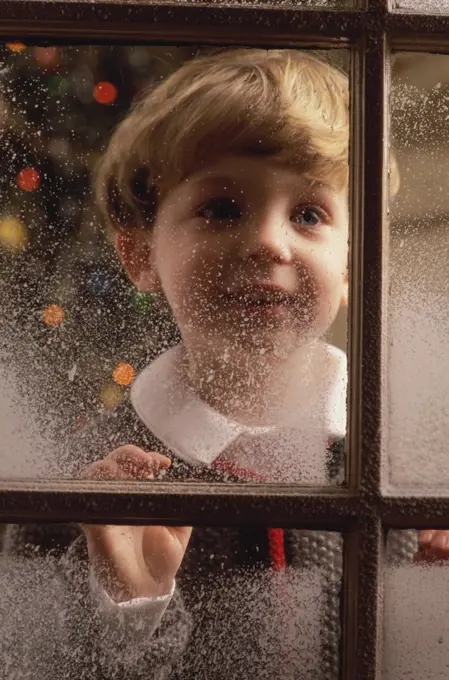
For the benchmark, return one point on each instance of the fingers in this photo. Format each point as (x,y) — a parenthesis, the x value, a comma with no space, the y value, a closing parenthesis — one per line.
(139,463)
(425,537)
(434,546)
(129,462)
(104,470)
(436,539)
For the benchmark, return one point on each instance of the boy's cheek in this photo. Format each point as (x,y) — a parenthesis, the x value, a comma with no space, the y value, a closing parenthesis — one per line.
(148,282)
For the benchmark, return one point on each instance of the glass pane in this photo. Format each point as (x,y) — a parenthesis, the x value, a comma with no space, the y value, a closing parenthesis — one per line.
(416,628)
(423,6)
(417,383)
(248,603)
(223,345)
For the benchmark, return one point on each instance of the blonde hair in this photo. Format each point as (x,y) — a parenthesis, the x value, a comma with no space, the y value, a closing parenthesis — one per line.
(285,104)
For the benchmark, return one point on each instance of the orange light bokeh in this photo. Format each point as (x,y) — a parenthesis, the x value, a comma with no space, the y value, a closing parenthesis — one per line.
(29,179)
(123,374)
(53,315)
(16,47)
(105,93)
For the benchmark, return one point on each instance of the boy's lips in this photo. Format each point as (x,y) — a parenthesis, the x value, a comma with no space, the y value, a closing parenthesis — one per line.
(260,295)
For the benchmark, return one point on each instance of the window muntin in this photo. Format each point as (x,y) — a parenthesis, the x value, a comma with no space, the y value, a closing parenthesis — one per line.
(296,4)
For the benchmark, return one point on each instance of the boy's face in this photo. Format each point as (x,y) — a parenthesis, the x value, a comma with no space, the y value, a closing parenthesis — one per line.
(251,252)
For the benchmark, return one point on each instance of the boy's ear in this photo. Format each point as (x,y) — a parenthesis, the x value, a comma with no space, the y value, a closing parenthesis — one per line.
(135,255)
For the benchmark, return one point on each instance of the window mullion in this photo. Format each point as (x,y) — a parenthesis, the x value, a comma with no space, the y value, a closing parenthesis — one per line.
(362,601)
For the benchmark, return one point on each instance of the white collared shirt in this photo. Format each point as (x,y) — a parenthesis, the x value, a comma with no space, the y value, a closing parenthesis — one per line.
(198,434)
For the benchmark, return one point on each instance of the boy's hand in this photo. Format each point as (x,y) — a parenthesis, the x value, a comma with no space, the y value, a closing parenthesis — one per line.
(134,561)
(434,546)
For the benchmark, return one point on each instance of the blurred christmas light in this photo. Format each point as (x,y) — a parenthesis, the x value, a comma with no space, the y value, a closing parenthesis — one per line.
(58,85)
(69,207)
(105,93)
(111,396)
(46,56)
(29,179)
(16,47)
(13,233)
(82,82)
(123,374)
(59,148)
(139,57)
(99,283)
(143,302)
(53,315)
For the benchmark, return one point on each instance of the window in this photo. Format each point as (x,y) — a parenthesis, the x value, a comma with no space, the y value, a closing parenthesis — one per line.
(369,503)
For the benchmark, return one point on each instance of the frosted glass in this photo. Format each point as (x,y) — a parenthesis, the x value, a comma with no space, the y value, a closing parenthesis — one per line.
(55,624)
(424,6)
(416,381)
(223,358)
(416,600)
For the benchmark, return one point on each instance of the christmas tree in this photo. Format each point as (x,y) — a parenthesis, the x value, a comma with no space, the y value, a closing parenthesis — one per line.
(74,327)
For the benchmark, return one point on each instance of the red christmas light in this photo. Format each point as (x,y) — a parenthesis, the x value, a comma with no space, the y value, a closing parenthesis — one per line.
(105,93)
(29,179)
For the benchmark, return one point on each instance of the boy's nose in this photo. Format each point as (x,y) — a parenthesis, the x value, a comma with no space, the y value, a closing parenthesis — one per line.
(267,237)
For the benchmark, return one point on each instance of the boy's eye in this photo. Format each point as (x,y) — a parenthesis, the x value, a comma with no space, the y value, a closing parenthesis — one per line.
(220,209)
(308,216)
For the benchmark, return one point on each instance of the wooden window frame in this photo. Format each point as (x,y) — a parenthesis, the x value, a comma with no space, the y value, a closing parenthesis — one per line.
(359,510)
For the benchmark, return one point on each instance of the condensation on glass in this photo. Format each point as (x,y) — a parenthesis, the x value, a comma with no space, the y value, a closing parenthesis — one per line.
(416,382)
(416,629)
(423,6)
(90,361)
(253,603)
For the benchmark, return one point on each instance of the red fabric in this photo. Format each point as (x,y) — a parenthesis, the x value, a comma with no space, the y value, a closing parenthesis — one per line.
(276,547)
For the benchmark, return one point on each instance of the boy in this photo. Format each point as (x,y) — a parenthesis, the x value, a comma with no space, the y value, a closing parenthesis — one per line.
(227,188)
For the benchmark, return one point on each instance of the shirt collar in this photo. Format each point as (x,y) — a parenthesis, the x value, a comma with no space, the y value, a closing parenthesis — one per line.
(198,434)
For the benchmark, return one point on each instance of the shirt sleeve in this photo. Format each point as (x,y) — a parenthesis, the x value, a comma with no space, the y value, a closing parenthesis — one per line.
(140,612)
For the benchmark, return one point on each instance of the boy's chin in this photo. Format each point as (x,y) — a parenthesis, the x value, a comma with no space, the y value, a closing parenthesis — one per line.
(264,344)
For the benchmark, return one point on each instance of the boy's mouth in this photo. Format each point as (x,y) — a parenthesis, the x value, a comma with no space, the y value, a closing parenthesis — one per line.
(260,295)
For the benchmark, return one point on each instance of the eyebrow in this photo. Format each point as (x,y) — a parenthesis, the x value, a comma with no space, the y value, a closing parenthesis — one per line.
(322,185)
(213,179)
